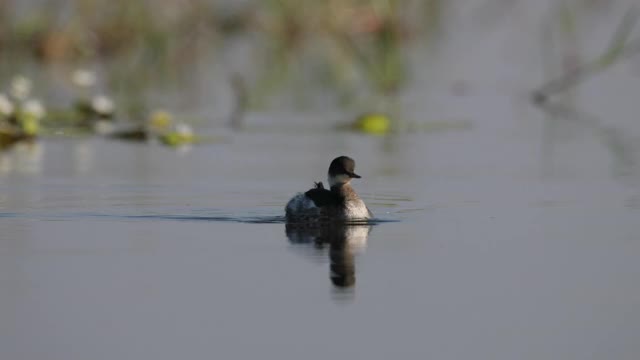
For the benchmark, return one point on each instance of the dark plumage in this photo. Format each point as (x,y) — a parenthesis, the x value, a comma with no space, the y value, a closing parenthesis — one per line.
(323,197)
(343,165)
(339,203)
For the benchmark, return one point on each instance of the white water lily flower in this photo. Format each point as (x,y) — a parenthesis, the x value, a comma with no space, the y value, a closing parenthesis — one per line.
(6,106)
(184,130)
(20,87)
(102,105)
(83,78)
(34,107)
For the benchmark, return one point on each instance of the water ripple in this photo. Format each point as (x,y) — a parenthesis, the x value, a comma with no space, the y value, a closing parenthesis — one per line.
(257,219)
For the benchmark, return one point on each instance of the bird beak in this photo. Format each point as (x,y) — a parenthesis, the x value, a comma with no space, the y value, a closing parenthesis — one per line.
(354,175)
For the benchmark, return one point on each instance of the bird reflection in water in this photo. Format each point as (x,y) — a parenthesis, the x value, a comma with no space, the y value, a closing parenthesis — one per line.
(343,240)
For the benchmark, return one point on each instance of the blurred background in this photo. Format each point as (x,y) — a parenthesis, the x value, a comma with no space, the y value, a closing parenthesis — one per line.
(418,64)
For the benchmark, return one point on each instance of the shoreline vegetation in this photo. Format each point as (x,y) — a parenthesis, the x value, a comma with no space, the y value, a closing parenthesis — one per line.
(126,48)
(114,53)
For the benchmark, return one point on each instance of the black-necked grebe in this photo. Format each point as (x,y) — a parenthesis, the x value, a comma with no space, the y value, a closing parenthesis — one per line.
(339,203)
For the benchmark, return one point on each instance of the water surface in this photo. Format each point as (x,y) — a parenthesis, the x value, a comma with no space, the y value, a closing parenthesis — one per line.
(112,250)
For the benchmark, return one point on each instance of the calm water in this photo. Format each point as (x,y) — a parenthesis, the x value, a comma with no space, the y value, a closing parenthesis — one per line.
(121,251)
(516,237)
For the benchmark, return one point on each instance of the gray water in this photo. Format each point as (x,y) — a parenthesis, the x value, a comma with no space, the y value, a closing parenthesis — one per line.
(512,237)
(131,251)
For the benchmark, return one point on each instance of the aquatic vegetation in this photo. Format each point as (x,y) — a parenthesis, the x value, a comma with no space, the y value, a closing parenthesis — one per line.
(91,107)
(349,50)
(181,134)
(373,123)
(376,123)
(20,114)
(159,122)
(353,54)
(98,107)
(159,127)
(28,117)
